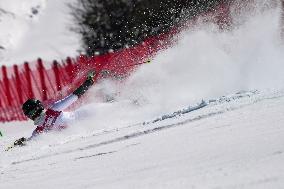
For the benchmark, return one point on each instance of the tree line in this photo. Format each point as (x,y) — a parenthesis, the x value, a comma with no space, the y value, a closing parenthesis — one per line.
(115,24)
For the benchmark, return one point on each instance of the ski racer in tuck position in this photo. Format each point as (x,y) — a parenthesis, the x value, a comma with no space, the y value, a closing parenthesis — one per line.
(54,118)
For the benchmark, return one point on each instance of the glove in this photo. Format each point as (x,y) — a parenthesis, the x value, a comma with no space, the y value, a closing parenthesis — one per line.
(86,85)
(91,75)
(20,142)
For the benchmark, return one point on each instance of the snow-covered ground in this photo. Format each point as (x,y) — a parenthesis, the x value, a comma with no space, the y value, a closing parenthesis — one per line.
(234,142)
(36,28)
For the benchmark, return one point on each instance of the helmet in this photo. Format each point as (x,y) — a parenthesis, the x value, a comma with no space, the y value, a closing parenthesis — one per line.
(32,108)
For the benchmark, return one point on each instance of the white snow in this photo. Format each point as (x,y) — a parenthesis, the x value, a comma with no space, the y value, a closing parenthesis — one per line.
(237,148)
(46,33)
(235,142)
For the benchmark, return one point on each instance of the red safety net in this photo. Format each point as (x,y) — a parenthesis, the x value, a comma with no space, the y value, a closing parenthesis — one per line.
(49,82)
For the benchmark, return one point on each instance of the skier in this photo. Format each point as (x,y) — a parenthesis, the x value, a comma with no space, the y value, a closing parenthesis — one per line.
(54,118)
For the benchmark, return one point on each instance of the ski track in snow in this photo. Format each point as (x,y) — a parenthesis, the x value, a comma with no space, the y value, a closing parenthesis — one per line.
(213,108)
(109,145)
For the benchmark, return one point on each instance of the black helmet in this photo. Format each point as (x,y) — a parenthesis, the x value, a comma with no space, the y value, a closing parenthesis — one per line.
(32,108)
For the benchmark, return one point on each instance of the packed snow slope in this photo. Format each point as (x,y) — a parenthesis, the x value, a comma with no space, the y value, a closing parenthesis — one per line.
(36,28)
(147,137)
(230,145)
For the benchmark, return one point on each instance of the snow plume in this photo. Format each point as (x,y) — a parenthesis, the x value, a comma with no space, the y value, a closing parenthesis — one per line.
(205,63)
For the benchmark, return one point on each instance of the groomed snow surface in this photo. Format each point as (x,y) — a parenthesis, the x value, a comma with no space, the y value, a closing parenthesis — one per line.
(235,142)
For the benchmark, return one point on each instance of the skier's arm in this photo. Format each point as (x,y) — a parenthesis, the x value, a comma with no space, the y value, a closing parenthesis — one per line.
(23,141)
(67,101)
(34,134)
(64,103)
(86,85)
